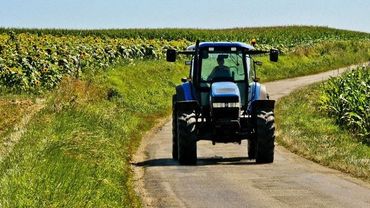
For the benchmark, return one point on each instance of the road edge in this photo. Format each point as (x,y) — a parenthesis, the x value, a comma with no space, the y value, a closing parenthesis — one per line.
(139,171)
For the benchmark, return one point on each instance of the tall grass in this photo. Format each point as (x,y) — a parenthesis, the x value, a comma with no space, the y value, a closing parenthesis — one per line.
(76,152)
(12,109)
(307,131)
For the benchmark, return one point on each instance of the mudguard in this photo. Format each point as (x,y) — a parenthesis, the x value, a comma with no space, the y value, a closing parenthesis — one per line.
(187,105)
(185,97)
(263,104)
(258,92)
(185,91)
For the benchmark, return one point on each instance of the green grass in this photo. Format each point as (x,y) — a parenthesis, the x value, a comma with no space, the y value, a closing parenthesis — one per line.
(306,131)
(313,59)
(76,151)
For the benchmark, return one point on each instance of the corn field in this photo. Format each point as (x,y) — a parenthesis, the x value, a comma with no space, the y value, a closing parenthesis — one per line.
(37,59)
(32,62)
(347,99)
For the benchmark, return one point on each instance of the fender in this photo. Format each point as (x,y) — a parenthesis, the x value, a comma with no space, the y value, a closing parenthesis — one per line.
(185,92)
(185,99)
(257,92)
(263,104)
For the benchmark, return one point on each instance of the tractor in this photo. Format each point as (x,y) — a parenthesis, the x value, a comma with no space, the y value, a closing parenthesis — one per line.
(222,101)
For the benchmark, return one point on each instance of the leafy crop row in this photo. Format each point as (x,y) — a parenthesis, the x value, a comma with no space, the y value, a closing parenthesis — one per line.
(284,35)
(347,99)
(29,62)
(37,59)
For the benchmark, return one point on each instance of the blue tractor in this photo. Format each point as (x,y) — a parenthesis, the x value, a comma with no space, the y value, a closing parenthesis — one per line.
(222,101)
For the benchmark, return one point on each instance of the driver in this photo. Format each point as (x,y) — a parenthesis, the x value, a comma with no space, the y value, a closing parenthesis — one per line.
(221,70)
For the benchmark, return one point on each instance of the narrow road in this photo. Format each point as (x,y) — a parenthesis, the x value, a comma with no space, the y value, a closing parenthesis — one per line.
(224,177)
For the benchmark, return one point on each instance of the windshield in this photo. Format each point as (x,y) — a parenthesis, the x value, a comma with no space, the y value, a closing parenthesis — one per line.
(222,65)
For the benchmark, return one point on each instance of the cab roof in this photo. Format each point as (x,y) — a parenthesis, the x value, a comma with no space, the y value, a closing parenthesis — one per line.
(221,44)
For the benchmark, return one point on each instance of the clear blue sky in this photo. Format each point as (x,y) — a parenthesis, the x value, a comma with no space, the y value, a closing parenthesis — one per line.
(90,14)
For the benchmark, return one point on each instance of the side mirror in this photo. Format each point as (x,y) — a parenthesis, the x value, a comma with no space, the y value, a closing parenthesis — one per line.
(171,55)
(204,54)
(274,55)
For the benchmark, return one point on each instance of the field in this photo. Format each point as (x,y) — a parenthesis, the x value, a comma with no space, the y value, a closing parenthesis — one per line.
(104,88)
(31,62)
(287,36)
(37,60)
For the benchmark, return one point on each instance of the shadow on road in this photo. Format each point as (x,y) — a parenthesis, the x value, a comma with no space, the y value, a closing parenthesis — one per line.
(201,162)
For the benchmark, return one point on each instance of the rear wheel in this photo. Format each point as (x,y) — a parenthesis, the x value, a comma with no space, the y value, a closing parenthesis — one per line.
(265,133)
(187,144)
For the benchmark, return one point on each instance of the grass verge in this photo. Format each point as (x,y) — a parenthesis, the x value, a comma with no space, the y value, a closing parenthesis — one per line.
(306,131)
(12,109)
(76,151)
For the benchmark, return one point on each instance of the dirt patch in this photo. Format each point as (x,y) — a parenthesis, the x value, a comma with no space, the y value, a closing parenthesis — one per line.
(15,121)
(11,112)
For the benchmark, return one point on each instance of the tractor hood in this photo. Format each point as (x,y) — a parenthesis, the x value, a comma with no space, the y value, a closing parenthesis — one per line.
(225,91)
(225,106)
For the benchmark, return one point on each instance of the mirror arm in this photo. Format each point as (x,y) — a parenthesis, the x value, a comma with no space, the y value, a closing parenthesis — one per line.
(255,71)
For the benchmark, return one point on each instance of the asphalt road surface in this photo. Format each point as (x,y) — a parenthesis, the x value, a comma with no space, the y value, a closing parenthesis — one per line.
(224,177)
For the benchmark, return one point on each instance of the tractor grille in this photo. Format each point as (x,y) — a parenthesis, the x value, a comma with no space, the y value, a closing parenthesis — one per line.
(225,113)
(226,99)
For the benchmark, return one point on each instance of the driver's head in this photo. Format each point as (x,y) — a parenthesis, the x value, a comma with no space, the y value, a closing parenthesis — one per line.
(220,60)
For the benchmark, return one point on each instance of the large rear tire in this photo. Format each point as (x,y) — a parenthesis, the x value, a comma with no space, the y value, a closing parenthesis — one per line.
(265,133)
(187,143)
(175,151)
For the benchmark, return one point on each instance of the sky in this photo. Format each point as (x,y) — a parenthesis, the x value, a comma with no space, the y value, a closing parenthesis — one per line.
(104,14)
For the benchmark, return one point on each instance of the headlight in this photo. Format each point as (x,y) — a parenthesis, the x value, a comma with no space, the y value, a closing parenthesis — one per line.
(226,105)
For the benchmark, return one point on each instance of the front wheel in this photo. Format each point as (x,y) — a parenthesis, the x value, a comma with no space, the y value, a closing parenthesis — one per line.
(187,144)
(265,133)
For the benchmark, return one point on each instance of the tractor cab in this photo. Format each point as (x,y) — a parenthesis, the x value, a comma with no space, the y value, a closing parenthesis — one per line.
(226,64)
